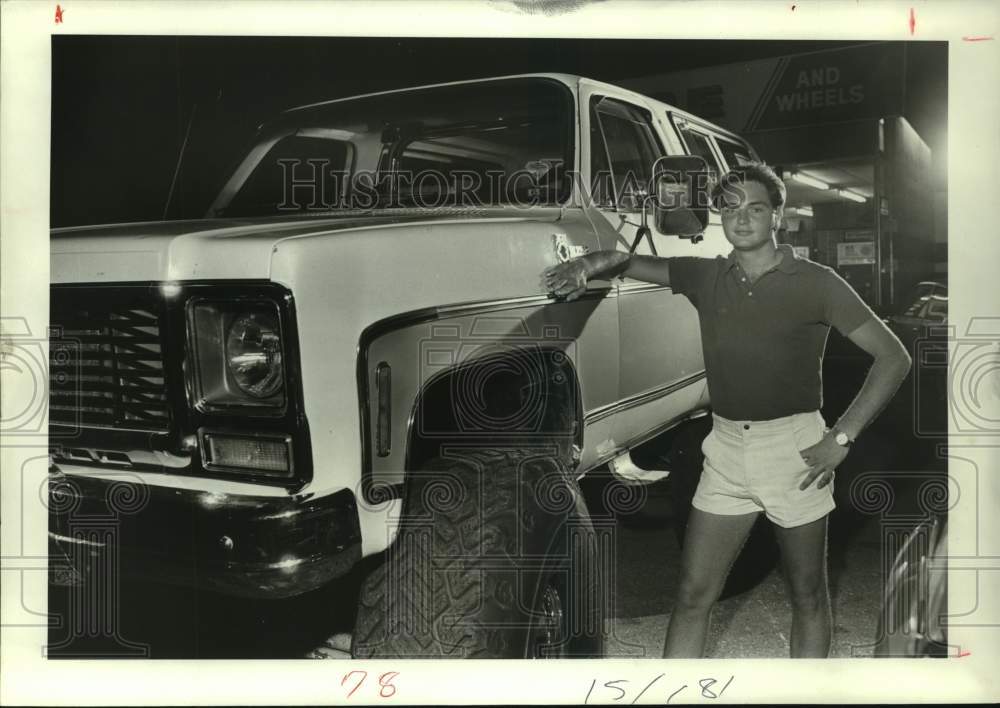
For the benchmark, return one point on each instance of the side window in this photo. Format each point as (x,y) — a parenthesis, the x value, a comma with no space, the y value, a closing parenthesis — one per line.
(698,144)
(602,186)
(632,148)
(735,154)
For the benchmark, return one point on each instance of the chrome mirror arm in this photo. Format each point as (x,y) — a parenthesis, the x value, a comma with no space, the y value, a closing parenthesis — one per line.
(643,229)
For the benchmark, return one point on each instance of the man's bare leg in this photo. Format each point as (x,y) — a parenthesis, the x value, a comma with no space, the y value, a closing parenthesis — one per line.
(803,557)
(711,544)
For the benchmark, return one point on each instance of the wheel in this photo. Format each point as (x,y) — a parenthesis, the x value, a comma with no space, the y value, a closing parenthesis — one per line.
(685,459)
(495,558)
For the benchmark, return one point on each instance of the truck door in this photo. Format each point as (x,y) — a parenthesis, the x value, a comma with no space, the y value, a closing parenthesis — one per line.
(661,366)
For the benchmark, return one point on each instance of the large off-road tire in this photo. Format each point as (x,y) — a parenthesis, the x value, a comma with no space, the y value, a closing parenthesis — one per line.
(685,460)
(495,558)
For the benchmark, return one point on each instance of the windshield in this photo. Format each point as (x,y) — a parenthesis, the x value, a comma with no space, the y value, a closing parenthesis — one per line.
(492,143)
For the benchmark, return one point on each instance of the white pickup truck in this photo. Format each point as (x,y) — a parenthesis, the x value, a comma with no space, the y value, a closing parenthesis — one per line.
(353,355)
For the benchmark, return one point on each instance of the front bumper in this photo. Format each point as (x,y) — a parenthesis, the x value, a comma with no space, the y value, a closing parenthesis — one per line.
(249,546)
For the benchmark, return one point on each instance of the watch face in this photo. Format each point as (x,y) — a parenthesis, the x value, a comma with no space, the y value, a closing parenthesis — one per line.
(842,439)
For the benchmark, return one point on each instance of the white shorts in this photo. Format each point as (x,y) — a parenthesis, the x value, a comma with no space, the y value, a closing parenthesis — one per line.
(756,466)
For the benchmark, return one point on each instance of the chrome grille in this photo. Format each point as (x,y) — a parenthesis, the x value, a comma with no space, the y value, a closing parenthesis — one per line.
(105,364)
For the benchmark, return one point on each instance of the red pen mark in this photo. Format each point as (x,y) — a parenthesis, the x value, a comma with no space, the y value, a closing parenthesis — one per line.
(385,682)
(976,39)
(364,675)
(59,12)
(913,21)
(964,653)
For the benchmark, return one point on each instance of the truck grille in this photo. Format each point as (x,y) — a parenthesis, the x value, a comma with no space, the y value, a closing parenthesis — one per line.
(106,363)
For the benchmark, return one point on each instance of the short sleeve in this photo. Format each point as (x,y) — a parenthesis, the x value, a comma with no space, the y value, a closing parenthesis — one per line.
(687,275)
(843,308)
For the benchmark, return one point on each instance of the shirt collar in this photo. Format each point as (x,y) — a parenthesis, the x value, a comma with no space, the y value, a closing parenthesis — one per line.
(789,261)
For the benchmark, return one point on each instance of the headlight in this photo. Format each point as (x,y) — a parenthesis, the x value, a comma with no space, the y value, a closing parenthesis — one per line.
(238,359)
(253,354)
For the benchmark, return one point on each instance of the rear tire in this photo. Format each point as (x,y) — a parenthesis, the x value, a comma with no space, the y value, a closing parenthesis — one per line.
(495,558)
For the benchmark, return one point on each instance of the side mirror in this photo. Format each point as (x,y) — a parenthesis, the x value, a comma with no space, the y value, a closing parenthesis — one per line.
(682,195)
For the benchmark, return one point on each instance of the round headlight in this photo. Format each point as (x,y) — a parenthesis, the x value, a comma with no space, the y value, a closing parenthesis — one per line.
(253,354)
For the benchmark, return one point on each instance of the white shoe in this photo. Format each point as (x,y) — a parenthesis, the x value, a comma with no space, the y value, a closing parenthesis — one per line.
(627,471)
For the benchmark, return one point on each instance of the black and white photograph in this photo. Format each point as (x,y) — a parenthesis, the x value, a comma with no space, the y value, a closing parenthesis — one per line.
(384,347)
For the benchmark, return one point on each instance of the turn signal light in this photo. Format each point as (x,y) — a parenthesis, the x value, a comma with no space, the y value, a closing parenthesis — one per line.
(260,455)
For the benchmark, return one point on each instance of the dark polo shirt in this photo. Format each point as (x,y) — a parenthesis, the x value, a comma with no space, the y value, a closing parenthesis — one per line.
(764,343)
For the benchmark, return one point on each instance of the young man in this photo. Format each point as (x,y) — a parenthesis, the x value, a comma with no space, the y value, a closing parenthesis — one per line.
(765,315)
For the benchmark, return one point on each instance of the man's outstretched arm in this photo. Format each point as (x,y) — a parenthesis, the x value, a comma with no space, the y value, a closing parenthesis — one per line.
(569,279)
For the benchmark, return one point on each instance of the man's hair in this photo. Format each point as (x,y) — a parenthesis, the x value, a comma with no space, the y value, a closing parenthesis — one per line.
(751,172)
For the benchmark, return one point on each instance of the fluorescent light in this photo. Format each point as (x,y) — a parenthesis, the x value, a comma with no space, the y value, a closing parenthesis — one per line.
(811,181)
(803,211)
(854,197)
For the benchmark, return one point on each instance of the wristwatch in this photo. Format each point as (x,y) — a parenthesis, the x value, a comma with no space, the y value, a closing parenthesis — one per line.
(841,438)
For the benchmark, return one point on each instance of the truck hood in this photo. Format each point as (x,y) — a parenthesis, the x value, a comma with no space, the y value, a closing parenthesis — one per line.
(223,249)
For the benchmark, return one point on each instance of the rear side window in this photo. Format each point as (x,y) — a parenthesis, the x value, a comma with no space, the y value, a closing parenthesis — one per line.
(735,154)
(699,144)
(632,149)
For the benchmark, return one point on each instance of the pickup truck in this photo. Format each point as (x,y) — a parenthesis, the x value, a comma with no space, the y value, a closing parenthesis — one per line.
(352,355)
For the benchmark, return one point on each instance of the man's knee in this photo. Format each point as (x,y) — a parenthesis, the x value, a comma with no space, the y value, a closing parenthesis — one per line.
(697,596)
(810,595)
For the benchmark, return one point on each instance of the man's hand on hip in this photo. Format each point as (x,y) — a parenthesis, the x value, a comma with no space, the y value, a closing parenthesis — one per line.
(822,458)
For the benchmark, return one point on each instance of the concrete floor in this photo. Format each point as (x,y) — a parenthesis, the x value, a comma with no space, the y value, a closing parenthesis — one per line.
(755,624)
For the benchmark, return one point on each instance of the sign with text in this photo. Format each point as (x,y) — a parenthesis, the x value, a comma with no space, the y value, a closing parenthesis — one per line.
(856,253)
(855,83)
(830,87)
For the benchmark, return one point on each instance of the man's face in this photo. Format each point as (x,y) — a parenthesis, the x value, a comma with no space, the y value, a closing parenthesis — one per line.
(748,217)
